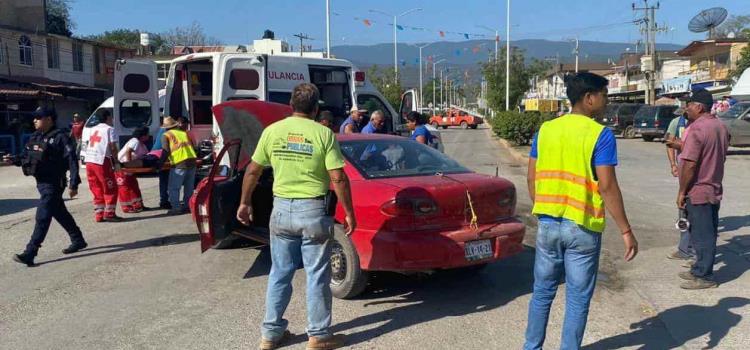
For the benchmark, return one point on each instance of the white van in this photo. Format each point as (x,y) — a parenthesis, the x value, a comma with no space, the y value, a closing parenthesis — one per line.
(741,90)
(199,81)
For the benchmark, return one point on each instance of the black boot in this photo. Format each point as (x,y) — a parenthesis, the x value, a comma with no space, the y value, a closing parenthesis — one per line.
(24,258)
(74,247)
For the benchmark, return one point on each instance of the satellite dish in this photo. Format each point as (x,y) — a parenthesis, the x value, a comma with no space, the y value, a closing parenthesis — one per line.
(708,20)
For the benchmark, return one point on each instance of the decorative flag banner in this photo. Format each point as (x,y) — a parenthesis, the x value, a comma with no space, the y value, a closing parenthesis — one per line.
(475,49)
(400,27)
(416,60)
(403,62)
(458,52)
(466,36)
(367,22)
(442,34)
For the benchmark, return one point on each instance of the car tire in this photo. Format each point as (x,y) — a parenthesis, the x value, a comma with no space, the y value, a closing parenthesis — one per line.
(435,125)
(474,126)
(648,138)
(445,126)
(629,132)
(347,278)
(464,125)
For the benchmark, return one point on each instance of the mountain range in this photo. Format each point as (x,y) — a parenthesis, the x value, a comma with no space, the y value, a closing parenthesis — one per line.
(467,55)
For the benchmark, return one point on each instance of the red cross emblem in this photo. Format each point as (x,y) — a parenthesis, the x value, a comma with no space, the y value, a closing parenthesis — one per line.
(94,139)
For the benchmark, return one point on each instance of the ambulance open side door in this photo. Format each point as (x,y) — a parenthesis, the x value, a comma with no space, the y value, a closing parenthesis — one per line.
(136,97)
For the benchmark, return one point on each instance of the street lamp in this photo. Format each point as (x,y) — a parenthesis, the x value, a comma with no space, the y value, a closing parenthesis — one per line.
(421,95)
(507,57)
(497,37)
(395,35)
(433,80)
(328,28)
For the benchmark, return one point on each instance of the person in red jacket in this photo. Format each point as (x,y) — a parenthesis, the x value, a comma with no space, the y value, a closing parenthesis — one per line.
(76,131)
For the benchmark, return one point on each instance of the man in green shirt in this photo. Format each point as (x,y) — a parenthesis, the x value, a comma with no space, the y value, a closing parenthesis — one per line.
(306,159)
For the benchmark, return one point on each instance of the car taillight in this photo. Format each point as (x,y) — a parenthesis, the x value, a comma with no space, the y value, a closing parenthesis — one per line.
(359,77)
(201,219)
(507,202)
(409,207)
(657,123)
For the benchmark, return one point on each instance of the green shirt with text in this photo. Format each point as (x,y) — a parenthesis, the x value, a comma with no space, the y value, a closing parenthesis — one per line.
(301,152)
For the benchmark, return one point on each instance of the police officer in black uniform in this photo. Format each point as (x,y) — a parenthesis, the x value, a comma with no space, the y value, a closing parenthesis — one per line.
(47,156)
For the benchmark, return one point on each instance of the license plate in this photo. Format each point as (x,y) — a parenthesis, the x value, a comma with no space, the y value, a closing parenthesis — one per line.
(644,124)
(478,250)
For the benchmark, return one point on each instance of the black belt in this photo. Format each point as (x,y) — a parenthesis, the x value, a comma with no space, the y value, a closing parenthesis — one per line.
(318,198)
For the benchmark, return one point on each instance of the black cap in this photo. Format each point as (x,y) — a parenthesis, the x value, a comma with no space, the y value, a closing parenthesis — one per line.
(700,95)
(42,112)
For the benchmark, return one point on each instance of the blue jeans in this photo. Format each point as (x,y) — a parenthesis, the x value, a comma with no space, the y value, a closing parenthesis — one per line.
(181,178)
(300,233)
(563,247)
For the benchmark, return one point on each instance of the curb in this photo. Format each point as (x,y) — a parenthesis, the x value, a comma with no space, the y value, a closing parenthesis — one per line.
(517,156)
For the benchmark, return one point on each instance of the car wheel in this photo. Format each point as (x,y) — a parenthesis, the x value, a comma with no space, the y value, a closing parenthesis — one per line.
(629,132)
(474,126)
(347,278)
(464,125)
(648,138)
(445,126)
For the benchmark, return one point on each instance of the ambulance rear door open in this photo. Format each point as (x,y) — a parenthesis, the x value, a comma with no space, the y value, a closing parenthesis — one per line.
(136,97)
(241,77)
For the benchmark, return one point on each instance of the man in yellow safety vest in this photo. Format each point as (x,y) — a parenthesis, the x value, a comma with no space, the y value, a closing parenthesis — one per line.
(177,147)
(571,178)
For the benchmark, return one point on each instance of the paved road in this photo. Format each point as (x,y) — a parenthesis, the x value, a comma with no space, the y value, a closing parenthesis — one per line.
(144,284)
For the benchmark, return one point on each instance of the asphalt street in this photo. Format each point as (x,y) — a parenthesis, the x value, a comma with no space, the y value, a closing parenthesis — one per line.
(143,283)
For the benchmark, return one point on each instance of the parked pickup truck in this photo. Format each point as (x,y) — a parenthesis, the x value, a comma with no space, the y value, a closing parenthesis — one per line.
(456,117)
(619,118)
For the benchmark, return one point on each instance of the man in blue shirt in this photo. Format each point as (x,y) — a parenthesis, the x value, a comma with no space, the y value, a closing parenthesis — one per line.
(376,124)
(351,124)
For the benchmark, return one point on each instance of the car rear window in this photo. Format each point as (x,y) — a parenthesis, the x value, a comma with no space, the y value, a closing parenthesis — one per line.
(396,158)
(646,112)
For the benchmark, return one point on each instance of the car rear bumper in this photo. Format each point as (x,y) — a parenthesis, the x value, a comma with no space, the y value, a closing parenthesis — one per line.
(433,250)
(650,131)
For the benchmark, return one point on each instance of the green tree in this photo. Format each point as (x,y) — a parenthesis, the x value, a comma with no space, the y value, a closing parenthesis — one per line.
(734,24)
(520,76)
(385,82)
(743,63)
(163,42)
(58,18)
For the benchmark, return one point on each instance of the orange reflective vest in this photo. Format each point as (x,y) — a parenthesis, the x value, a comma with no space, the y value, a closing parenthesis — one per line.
(565,184)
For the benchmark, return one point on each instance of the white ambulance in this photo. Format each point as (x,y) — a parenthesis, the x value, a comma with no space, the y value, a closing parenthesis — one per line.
(196,82)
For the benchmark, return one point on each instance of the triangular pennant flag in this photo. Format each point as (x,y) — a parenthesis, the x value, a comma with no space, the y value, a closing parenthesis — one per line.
(442,34)
(367,22)
(399,27)
(475,49)
(416,60)
(466,36)
(497,38)
(458,52)
(403,62)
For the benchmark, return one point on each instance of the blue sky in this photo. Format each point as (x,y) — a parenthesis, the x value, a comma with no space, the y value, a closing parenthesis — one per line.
(240,21)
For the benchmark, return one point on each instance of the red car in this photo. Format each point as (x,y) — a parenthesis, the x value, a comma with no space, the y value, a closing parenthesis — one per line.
(417,209)
(455,117)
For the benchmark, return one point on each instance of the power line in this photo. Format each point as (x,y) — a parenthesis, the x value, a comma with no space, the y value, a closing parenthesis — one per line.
(302,37)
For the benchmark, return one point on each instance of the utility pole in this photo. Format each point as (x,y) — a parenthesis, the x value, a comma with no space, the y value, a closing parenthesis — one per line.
(328,28)
(576,52)
(649,32)
(441,87)
(507,57)
(434,79)
(302,37)
(421,84)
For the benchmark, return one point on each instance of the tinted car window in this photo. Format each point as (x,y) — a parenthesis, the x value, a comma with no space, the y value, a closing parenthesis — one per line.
(397,157)
(736,110)
(646,112)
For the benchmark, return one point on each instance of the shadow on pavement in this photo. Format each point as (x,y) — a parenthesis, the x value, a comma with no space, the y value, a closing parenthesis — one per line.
(114,248)
(738,152)
(733,223)
(687,322)
(733,268)
(14,205)
(446,294)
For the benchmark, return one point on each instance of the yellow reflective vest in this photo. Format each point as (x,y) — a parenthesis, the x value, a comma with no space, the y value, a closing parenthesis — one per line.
(565,184)
(180,146)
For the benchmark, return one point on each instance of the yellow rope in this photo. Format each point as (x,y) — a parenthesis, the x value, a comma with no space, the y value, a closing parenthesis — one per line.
(474,220)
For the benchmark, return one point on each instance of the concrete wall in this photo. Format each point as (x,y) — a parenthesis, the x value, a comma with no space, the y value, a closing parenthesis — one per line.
(26,15)
(66,108)
(10,64)
(66,72)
